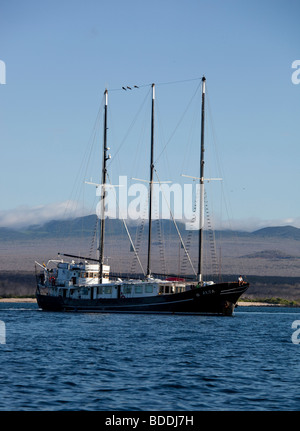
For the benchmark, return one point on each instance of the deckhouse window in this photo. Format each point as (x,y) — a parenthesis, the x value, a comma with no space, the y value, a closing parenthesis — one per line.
(148,289)
(138,289)
(165,289)
(127,289)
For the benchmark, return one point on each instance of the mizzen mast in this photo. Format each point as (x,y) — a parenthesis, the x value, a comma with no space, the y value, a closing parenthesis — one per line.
(151,184)
(201,220)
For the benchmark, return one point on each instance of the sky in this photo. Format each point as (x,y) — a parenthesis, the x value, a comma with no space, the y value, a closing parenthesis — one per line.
(60,55)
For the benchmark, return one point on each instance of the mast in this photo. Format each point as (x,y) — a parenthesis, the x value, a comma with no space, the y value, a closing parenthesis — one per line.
(201,221)
(103,192)
(151,184)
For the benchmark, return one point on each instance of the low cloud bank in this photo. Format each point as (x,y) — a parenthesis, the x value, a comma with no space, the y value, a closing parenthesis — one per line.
(24,216)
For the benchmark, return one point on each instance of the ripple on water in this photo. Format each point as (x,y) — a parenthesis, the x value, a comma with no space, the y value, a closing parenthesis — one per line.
(56,361)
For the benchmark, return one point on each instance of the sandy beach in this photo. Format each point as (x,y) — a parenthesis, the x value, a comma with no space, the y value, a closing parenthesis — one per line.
(17,300)
(240,304)
(258,304)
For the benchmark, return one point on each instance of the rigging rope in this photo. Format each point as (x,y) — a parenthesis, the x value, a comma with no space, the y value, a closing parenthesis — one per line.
(160,241)
(175,224)
(211,238)
(138,238)
(93,238)
(224,194)
(189,238)
(129,129)
(178,124)
(127,231)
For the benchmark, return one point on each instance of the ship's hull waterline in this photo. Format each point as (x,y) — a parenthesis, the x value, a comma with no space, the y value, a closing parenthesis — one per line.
(219,298)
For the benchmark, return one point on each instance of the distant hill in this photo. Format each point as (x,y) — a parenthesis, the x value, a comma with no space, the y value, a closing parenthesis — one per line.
(270,254)
(55,228)
(278,232)
(10,234)
(85,226)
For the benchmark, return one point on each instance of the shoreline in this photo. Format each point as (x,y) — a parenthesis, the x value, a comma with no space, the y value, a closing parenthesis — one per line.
(258,304)
(18,300)
(240,304)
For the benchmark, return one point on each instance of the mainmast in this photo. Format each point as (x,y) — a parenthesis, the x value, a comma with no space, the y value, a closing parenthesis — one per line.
(103,191)
(151,183)
(201,221)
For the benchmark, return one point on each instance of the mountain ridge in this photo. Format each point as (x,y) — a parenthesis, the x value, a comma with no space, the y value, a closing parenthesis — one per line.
(85,226)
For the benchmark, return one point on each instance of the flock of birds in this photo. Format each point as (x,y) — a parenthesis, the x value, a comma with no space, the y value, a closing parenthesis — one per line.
(129,88)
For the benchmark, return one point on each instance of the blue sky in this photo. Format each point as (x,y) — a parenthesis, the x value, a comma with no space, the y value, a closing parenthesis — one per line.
(60,56)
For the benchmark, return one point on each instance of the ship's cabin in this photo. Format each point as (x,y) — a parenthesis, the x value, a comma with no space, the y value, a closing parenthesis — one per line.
(81,281)
(67,274)
(117,290)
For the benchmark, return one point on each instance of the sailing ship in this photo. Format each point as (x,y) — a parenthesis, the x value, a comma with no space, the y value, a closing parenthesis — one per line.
(86,286)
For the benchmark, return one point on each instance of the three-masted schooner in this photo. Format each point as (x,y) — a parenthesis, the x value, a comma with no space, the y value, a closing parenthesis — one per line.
(85,286)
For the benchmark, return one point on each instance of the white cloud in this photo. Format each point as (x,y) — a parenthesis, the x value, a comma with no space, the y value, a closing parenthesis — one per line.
(23,216)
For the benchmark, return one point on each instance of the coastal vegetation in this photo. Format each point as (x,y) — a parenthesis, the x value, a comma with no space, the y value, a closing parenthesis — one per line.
(273,301)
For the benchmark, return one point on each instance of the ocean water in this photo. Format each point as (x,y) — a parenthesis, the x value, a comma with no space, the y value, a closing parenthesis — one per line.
(118,362)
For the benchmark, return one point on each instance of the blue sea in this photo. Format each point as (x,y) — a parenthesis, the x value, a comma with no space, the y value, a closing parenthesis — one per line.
(121,362)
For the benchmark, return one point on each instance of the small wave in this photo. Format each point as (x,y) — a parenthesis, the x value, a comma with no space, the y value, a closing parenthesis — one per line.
(18,309)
